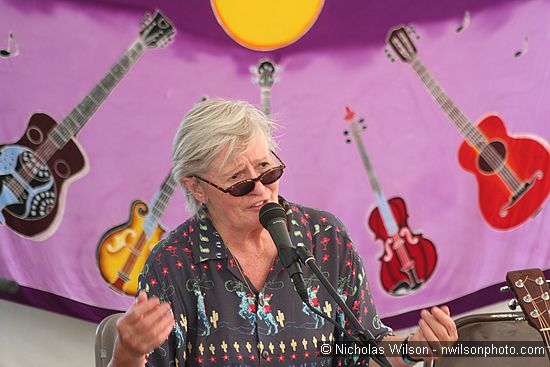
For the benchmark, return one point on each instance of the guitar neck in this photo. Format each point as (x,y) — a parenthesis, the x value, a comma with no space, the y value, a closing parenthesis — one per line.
(265,97)
(381,202)
(158,205)
(532,294)
(470,133)
(78,117)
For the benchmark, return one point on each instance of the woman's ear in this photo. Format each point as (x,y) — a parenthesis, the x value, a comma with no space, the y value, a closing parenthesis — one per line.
(195,188)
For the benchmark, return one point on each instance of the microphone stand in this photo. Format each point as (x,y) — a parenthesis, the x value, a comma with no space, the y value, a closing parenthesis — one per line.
(364,335)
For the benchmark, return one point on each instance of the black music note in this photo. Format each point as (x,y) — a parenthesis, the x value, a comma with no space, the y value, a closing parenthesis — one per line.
(522,51)
(465,22)
(8,52)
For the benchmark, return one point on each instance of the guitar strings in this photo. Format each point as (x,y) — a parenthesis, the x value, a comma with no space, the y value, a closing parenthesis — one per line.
(487,151)
(544,321)
(159,206)
(400,41)
(59,134)
(545,325)
(398,243)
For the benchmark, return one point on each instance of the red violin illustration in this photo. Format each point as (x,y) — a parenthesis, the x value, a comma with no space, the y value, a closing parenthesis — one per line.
(409,259)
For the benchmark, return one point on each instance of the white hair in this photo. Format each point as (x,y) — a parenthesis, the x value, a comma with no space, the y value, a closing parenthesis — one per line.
(208,128)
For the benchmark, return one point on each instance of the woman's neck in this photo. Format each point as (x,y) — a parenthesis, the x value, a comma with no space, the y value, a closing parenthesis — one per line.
(238,241)
(251,239)
(254,252)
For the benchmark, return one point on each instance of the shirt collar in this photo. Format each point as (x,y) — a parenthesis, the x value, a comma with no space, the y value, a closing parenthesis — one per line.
(206,241)
(208,245)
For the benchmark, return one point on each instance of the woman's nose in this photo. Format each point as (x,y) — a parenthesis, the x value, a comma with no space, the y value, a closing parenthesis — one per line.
(259,188)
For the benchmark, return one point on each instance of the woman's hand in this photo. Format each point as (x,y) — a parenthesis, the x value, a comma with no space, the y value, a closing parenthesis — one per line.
(145,326)
(435,327)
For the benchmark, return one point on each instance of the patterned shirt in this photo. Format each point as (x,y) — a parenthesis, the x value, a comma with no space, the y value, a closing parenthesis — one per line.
(220,321)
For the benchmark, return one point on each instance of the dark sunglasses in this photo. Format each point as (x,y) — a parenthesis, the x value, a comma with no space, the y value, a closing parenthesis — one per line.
(244,187)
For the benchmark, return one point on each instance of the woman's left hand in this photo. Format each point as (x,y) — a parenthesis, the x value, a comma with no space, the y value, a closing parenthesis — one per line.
(435,328)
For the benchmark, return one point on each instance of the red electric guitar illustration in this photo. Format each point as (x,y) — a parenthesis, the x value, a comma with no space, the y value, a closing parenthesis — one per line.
(36,170)
(513,173)
(409,259)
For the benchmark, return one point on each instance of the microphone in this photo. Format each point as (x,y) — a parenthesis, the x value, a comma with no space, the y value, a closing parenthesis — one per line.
(8,286)
(272,217)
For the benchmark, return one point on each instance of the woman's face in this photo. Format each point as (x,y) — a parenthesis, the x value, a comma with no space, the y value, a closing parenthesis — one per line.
(240,212)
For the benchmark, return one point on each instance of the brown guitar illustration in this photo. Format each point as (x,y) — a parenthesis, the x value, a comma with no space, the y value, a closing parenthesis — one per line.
(532,294)
(36,171)
(512,172)
(122,251)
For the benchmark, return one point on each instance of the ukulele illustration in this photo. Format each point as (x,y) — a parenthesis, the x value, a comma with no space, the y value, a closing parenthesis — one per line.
(409,259)
(36,170)
(512,172)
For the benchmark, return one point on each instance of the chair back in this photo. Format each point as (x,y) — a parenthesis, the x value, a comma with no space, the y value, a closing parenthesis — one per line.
(105,337)
(505,326)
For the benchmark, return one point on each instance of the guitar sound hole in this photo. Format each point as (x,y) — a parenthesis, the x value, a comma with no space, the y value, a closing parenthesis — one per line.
(492,157)
(62,169)
(34,135)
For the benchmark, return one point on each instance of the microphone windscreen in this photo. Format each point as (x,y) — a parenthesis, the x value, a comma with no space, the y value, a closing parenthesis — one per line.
(270,212)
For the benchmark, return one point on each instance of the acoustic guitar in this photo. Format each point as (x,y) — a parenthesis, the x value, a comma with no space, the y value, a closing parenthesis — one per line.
(531,291)
(36,171)
(513,173)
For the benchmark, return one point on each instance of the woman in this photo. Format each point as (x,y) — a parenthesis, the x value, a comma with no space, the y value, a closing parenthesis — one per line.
(214,291)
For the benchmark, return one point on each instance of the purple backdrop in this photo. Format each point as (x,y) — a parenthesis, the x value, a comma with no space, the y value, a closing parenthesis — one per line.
(67,46)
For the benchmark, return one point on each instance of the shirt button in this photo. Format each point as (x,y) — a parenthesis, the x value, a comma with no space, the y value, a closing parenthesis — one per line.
(265,354)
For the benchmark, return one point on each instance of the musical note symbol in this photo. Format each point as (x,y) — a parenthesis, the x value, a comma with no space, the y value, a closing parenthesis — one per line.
(522,51)
(465,22)
(8,52)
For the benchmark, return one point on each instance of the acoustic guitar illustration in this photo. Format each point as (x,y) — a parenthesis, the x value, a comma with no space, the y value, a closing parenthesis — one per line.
(512,172)
(36,170)
(409,259)
(123,250)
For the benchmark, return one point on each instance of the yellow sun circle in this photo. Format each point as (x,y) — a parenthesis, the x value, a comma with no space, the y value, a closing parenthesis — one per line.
(266,24)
